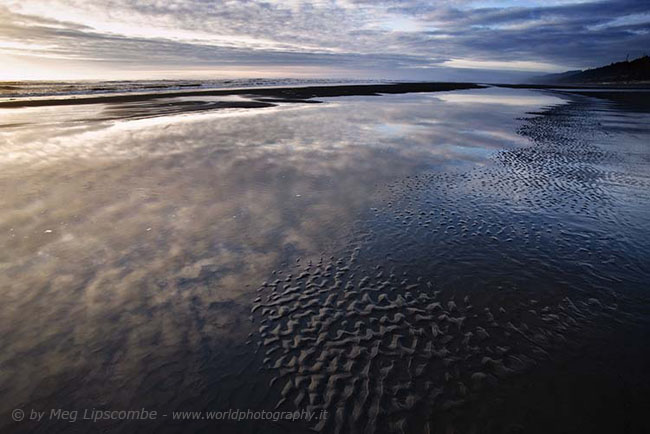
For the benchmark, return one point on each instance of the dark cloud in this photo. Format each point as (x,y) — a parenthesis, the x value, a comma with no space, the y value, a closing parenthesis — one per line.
(410,38)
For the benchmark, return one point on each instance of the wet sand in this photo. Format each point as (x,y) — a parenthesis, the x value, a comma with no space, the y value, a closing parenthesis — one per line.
(405,271)
(475,295)
(293,94)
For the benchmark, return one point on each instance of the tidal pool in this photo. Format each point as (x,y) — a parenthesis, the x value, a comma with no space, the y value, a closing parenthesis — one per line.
(135,244)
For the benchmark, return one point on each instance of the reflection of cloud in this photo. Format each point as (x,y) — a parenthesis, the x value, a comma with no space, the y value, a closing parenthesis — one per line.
(514,100)
(148,237)
(404,38)
(167,135)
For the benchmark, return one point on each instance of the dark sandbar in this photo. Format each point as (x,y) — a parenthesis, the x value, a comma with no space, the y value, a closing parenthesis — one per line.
(299,94)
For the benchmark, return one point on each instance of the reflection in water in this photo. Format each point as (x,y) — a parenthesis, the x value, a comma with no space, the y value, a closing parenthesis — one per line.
(497,97)
(477,300)
(132,249)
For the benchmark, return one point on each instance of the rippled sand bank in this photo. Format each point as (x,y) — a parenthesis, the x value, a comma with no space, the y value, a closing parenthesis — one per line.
(471,296)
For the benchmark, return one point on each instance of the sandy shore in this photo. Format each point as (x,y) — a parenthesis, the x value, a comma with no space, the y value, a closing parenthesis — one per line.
(282,94)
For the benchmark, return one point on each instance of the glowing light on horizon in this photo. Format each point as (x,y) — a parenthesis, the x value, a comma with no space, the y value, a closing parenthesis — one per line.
(509,65)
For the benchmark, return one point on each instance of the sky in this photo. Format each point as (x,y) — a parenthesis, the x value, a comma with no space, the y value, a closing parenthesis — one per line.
(454,40)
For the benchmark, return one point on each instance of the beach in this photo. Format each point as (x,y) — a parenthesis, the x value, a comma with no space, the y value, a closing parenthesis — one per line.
(404,257)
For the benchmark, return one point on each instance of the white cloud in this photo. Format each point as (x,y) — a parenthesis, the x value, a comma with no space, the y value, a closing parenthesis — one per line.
(375,36)
(510,65)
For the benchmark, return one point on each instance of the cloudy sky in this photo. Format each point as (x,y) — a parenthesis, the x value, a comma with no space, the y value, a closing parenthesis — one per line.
(408,39)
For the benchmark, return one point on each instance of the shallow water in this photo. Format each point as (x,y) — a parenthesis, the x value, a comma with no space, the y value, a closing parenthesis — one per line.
(133,251)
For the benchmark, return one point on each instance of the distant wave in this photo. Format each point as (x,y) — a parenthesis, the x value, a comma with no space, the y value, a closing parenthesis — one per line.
(51,88)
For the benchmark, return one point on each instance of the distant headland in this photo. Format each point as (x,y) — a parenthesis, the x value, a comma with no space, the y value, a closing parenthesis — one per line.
(635,71)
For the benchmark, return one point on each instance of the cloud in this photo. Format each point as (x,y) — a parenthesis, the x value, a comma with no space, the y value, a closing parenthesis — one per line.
(392,38)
